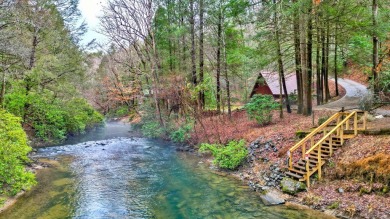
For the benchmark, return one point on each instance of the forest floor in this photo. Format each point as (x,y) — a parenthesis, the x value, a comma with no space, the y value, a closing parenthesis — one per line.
(324,195)
(338,196)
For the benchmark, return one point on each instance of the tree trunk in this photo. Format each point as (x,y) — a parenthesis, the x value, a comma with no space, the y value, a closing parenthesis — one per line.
(280,60)
(327,92)
(335,61)
(375,45)
(156,67)
(227,86)
(193,59)
(303,49)
(201,51)
(318,64)
(184,45)
(219,39)
(170,47)
(323,66)
(298,69)
(33,49)
(309,62)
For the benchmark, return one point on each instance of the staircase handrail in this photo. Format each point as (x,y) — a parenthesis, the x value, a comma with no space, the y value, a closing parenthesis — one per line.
(315,131)
(323,139)
(331,132)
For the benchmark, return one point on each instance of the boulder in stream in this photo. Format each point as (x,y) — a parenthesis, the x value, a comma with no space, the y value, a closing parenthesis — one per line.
(291,186)
(272,198)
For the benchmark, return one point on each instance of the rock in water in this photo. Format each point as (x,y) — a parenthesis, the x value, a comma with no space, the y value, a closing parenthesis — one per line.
(271,198)
(291,186)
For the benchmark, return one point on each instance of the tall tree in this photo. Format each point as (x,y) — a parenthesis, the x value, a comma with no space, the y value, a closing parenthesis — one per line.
(193,52)
(201,51)
(375,44)
(280,58)
(297,55)
(219,51)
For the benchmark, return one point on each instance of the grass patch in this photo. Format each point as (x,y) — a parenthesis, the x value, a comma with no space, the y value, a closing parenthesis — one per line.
(375,168)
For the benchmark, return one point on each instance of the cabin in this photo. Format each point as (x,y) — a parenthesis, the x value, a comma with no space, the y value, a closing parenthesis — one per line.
(267,83)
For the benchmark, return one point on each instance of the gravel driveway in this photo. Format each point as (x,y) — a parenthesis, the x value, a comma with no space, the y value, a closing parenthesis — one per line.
(354,92)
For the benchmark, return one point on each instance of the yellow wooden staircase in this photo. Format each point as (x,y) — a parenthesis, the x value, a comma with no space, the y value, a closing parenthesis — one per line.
(309,155)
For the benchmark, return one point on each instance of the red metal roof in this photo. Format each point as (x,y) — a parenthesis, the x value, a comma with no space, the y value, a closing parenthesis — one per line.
(272,79)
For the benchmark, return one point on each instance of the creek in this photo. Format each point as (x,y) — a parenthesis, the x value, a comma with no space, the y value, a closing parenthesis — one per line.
(109,174)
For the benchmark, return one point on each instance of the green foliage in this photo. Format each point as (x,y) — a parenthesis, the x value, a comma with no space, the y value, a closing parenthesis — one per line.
(152,129)
(384,81)
(228,156)
(360,47)
(300,134)
(367,102)
(80,116)
(334,205)
(121,111)
(260,107)
(182,134)
(52,119)
(321,120)
(13,156)
(15,101)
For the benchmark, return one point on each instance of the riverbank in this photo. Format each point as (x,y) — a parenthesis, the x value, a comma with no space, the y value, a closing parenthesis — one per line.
(339,197)
(9,201)
(266,162)
(36,167)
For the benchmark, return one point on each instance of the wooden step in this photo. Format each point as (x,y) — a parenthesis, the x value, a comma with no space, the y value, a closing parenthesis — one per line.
(336,144)
(302,164)
(349,136)
(326,148)
(293,175)
(314,156)
(326,144)
(315,162)
(334,141)
(324,151)
(299,167)
(297,171)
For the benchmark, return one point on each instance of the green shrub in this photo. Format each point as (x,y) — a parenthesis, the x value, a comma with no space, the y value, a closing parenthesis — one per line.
(80,116)
(260,108)
(182,134)
(321,120)
(334,205)
(384,81)
(152,129)
(13,156)
(52,119)
(300,134)
(229,156)
(367,102)
(120,111)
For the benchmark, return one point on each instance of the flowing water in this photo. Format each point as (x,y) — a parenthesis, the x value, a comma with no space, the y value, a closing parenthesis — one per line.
(116,176)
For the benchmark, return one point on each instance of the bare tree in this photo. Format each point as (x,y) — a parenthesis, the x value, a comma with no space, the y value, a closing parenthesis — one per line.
(129,23)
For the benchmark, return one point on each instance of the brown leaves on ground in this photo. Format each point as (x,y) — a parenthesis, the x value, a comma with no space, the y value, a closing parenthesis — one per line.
(349,201)
(373,168)
(356,73)
(358,160)
(221,129)
(348,195)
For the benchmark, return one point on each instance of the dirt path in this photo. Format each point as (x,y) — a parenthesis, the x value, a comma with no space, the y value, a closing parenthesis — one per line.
(354,92)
